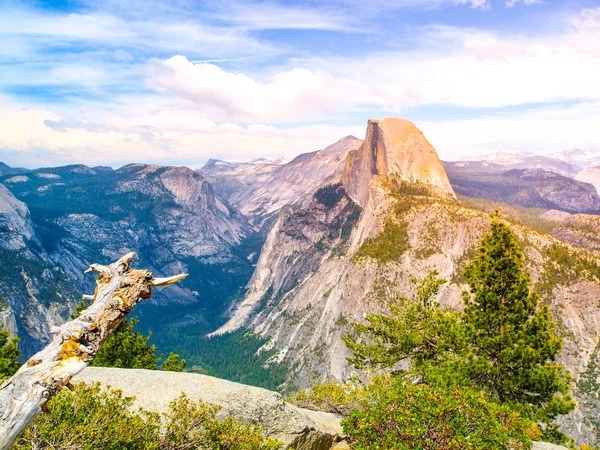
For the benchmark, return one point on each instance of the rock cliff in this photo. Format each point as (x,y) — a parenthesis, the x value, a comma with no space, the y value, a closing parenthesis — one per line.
(394,147)
(590,175)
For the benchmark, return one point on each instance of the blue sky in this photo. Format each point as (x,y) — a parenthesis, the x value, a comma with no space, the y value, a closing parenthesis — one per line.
(181,81)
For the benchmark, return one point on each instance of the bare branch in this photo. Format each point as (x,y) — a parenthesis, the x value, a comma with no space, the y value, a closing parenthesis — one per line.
(74,344)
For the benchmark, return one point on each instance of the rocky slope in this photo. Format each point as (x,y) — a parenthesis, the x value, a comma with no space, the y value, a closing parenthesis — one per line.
(590,175)
(261,188)
(326,263)
(169,215)
(534,188)
(34,292)
(298,428)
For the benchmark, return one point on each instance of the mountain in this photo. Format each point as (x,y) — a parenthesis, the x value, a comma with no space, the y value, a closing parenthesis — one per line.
(501,158)
(35,293)
(534,188)
(473,167)
(579,157)
(261,189)
(547,164)
(590,175)
(397,148)
(7,170)
(338,253)
(170,216)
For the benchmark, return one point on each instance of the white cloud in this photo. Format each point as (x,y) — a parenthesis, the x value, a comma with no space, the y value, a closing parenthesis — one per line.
(185,34)
(511,3)
(167,135)
(459,67)
(288,95)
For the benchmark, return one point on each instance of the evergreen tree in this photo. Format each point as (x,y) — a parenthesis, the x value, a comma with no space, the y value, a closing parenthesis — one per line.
(9,354)
(174,363)
(415,330)
(125,347)
(512,341)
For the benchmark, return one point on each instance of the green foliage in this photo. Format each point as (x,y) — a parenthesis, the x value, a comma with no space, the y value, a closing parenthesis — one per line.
(406,416)
(127,348)
(415,330)
(331,397)
(9,354)
(90,418)
(174,363)
(512,344)
(240,361)
(195,426)
(330,195)
(388,245)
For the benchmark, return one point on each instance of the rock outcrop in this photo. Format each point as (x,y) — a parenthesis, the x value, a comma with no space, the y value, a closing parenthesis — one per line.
(15,221)
(298,428)
(394,147)
(590,175)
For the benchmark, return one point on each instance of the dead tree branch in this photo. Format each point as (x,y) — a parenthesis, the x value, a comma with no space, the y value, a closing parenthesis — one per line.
(75,343)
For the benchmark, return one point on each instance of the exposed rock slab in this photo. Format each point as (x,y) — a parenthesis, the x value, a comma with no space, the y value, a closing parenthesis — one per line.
(298,428)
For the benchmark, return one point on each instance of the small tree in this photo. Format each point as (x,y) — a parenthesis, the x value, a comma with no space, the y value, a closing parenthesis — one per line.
(125,347)
(415,330)
(9,354)
(512,344)
(174,363)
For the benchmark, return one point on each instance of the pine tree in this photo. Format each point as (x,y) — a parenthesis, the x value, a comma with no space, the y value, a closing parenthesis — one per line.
(125,348)
(512,341)
(415,330)
(9,354)
(174,363)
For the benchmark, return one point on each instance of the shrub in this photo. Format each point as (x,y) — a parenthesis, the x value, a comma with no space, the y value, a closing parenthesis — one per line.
(90,418)
(9,354)
(406,416)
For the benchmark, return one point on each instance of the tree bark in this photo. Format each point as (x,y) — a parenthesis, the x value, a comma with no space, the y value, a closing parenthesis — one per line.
(118,289)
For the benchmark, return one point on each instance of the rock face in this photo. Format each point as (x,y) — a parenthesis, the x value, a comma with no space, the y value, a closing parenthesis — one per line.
(35,293)
(590,175)
(298,428)
(394,147)
(260,189)
(15,221)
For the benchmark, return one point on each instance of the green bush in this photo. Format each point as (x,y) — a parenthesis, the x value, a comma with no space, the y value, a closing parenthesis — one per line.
(406,417)
(9,354)
(91,418)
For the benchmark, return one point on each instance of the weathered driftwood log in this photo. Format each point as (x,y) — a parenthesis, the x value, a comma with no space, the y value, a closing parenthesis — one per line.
(118,289)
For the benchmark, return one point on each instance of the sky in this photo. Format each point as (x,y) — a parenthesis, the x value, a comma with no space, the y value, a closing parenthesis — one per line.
(177,82)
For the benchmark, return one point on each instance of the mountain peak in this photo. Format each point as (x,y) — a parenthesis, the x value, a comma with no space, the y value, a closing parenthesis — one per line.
(394,146)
